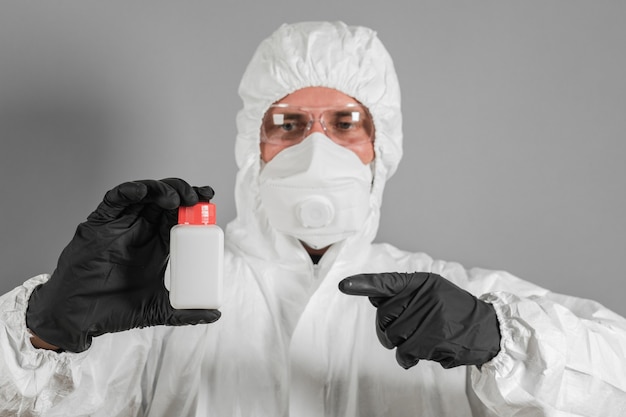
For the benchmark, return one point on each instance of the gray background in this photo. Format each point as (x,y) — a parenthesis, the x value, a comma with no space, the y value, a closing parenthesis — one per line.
(514,123)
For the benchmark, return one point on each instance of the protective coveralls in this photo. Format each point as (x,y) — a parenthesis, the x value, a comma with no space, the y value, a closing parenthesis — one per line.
(290,343)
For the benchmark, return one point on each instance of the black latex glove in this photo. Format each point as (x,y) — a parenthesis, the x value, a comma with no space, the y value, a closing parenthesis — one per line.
(109,278)
(427,317)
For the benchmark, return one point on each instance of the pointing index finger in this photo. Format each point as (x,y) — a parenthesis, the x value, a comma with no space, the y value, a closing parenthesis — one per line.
(374,285)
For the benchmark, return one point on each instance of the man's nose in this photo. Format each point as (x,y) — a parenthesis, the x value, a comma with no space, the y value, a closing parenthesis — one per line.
(317,126)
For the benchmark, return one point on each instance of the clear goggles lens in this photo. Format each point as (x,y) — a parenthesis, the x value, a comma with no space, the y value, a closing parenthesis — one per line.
(288,125)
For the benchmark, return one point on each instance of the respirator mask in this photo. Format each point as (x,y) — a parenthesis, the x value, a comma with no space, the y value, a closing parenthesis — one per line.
(316,191)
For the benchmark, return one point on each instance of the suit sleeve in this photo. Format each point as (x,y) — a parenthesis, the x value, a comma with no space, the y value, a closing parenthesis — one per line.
(32,380)
(560,356)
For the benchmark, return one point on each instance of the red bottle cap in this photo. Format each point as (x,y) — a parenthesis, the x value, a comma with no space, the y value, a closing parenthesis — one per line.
(201,213)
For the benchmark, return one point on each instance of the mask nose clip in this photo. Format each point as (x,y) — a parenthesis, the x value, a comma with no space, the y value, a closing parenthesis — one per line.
(315,212)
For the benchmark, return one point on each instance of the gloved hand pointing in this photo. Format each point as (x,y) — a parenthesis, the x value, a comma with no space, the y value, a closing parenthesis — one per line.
(109,278)
(427,317)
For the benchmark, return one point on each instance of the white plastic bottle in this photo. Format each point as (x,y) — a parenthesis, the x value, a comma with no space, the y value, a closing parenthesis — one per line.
(196,259)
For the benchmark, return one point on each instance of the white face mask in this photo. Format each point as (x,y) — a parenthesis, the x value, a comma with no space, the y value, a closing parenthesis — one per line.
(316,191)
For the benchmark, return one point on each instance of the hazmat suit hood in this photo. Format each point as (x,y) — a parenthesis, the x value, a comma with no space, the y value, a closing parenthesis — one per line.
(350,59)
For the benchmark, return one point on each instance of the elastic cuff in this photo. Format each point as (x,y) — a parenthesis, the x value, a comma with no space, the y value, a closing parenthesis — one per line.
(500,301)
(21,305)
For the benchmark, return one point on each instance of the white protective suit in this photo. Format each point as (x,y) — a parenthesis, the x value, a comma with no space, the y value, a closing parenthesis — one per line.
(289,342)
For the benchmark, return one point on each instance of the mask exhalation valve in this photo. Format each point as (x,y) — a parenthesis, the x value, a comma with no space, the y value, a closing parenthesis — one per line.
(315,212)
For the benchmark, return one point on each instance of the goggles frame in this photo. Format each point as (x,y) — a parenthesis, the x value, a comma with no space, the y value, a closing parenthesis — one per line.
(303,119)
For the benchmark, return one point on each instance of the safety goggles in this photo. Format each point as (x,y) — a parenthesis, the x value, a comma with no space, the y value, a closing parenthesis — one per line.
(288,125)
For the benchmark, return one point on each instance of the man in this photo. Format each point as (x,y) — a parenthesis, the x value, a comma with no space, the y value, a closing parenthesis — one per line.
(319,134)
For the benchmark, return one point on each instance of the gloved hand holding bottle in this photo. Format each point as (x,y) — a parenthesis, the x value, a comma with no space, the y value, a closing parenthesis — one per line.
(425,316)
(109,278)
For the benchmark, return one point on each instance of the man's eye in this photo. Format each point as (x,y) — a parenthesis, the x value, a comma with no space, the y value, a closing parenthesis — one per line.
(288,127)
(345,125)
